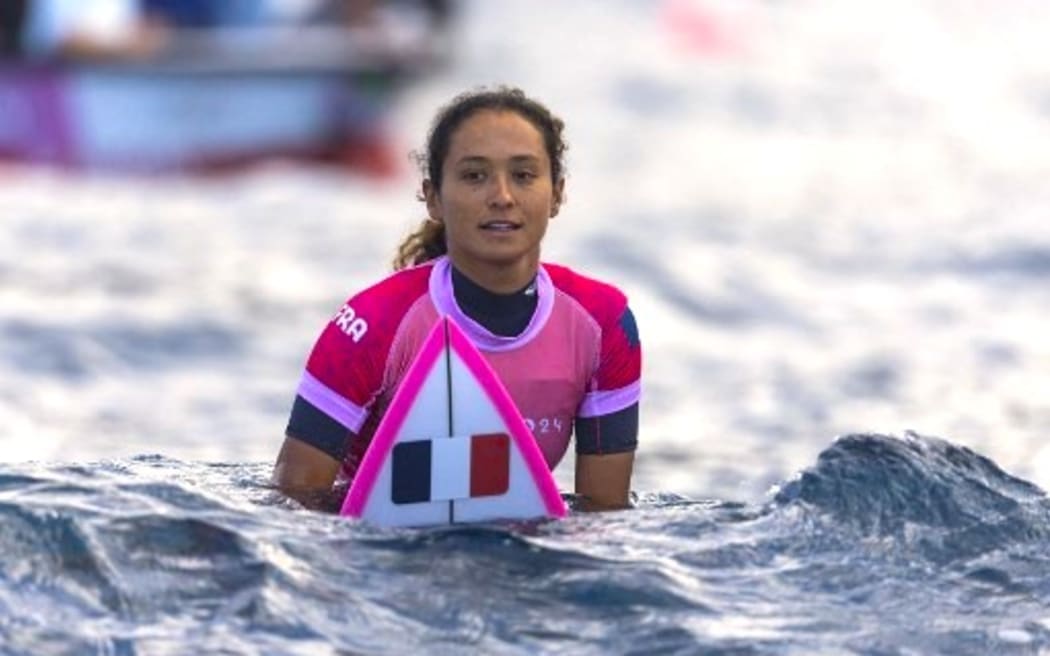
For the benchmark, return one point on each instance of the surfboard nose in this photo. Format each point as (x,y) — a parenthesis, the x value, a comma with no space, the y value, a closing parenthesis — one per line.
(452,447)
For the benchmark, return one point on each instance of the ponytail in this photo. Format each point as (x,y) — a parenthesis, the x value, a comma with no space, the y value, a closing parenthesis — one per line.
(423,245)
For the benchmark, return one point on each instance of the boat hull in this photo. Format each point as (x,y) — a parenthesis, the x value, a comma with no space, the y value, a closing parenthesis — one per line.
(138,119)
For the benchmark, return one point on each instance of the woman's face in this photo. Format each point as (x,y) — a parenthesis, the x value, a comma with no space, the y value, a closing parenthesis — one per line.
(496,198)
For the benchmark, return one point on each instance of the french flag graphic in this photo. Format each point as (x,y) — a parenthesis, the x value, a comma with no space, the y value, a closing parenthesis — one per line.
(452,447)
(450,468)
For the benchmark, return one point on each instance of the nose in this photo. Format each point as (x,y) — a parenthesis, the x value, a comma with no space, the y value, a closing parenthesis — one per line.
(501,195)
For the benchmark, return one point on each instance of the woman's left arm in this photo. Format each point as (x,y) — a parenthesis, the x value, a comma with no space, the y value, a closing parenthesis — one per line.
(603,482)
(606,439)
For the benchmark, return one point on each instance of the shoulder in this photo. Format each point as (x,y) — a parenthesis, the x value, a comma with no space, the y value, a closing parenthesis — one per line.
(363,330)
(384,303)
(398,282)
(602,300)
(399,288)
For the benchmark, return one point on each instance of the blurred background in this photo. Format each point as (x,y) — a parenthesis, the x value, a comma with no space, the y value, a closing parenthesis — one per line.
(828,218)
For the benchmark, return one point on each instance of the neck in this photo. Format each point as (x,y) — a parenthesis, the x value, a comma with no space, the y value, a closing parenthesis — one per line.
(506,315)
(499,278)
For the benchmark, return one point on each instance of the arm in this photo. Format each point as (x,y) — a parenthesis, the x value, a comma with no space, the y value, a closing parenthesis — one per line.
(305,473)
(603,482)
(343,373)
(606,440)
(605,449)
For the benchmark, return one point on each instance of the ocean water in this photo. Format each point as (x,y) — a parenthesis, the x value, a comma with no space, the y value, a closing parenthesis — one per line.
(831,225)
(886,545)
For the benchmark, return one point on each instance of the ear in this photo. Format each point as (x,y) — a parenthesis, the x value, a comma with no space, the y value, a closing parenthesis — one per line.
(430,195)
(559,196)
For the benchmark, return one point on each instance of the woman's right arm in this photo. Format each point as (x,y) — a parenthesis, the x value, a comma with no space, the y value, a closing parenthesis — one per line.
(306,474)
(343,374)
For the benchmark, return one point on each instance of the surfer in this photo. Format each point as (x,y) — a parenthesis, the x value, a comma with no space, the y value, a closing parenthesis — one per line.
(564,345)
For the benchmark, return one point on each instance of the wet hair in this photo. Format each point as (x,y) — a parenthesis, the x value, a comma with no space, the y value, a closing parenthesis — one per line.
(428,240)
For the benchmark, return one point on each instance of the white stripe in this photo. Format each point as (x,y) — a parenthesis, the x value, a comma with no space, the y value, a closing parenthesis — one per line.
(450,468)
(596,404)
(329,401)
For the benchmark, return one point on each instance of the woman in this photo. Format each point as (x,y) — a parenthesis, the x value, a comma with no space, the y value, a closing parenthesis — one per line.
(564,345)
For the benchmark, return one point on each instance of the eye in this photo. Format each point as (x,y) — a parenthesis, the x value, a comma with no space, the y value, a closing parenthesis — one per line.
(524,176)
(472,175)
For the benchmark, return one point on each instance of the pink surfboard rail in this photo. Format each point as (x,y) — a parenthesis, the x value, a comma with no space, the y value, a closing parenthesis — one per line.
(446,334)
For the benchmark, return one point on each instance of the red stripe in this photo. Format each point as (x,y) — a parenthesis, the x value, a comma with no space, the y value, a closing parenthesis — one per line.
(489,464)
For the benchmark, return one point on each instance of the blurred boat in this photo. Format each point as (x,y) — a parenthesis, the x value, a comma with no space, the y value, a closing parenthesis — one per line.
(216,99)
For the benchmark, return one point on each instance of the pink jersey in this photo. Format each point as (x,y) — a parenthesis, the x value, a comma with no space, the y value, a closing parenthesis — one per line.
(573,360)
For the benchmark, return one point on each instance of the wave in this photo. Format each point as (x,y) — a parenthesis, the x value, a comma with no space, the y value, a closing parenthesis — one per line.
(155,555)
(948,499)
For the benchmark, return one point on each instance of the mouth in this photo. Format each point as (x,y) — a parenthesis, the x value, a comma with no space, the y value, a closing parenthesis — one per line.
(500,225)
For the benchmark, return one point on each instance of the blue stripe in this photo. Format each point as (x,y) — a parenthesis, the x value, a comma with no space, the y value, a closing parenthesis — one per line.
(410,476)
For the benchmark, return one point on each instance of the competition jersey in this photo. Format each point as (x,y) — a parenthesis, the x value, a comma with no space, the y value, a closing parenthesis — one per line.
(578,357)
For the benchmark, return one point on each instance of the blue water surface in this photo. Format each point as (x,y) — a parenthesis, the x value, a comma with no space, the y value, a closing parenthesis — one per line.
(886,545)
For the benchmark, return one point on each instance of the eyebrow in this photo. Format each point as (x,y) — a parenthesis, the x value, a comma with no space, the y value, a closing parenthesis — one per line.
(478,159)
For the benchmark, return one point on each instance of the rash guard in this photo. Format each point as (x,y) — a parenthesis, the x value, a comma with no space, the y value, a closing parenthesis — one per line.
(573,358)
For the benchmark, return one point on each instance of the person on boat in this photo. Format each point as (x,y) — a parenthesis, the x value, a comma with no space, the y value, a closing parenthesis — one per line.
(12,19)
(360,12)
(91,31)
(232,14)
(565,345)
(197,14)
